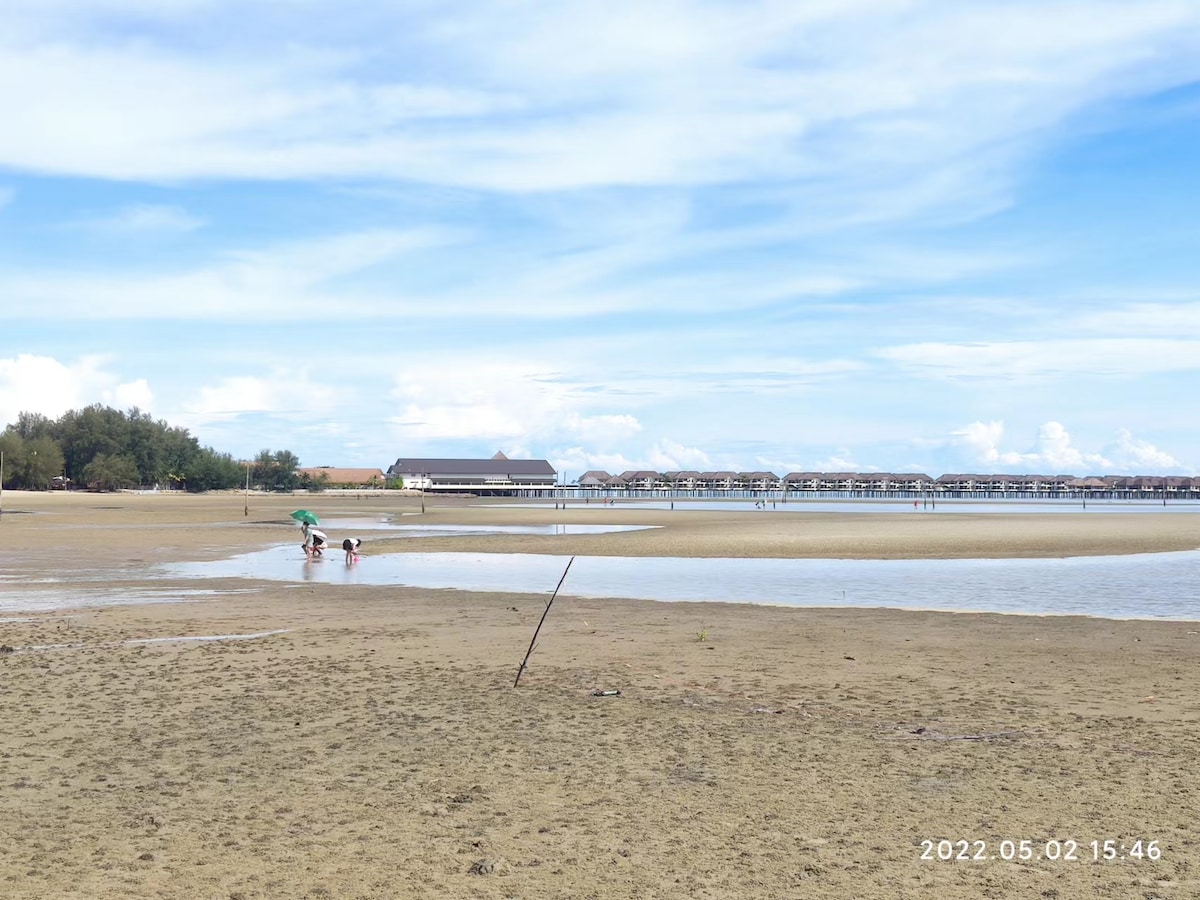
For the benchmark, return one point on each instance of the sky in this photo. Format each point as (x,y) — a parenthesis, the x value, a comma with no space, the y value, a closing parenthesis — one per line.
(833,235)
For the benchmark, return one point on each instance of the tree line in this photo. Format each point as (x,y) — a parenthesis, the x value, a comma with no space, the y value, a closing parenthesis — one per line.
(105,449)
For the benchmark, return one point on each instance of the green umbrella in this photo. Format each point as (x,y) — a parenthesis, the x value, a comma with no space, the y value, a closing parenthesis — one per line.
(303,515)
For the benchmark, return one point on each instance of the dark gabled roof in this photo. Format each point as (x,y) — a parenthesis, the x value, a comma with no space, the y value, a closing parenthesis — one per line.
(472,467)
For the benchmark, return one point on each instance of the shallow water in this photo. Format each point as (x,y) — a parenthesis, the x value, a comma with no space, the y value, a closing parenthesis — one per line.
(43,596)
(880,506)
(383,523)
(1152,586)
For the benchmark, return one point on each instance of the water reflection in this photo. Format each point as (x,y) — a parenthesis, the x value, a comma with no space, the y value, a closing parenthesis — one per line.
(382,523)
(878,506)
(1157,585)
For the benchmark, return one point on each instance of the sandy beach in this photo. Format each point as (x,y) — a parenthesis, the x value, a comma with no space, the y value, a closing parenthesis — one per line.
(367,741)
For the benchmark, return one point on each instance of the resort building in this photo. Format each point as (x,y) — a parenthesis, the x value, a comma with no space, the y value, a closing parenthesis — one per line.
(643,480)
(883,485)
(594,480)
(682,480)
(498,476)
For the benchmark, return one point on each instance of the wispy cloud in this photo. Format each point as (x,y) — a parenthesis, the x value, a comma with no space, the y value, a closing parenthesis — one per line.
(1145,318)
(502,400)
(296,393)
(140,219)
(1053,358)
(868,99)
(563,227)
(287,278)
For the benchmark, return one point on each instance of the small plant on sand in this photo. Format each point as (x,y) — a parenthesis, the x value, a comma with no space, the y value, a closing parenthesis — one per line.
(702,635)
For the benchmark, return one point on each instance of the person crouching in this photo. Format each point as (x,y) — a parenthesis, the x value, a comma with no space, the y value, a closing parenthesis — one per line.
(314,542)
(351,545)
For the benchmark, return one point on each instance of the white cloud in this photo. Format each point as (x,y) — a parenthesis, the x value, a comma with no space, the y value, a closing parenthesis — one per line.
(42,384)
(1142,319)
(842,461)
(574,461)
(280,393)
(982,441)
(868,98)
(134,393)
(664,455)
(290,278)
(500,401)
(1054,453)
(1104,357)
(584,391)
(1134,456)
(669,456)
(601,429)
(141,218)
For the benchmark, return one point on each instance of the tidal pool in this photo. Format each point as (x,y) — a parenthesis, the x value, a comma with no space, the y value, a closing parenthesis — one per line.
(1147,586)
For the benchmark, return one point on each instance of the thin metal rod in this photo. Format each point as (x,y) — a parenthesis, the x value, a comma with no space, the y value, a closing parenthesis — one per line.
(545,612)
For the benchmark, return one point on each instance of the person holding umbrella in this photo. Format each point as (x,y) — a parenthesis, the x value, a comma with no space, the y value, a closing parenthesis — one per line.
(314,539)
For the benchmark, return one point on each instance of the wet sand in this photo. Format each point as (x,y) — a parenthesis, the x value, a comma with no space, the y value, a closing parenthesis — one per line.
(375,746)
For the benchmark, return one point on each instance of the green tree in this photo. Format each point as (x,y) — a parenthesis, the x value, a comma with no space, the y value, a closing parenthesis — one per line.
(178,449)
(209,470)
(43,460)
(90,432)
(32,425)
(12,445)
(276,470)
(102,446)
(110,472)
(146,444)
(315,484)
(157,448)
(29,463)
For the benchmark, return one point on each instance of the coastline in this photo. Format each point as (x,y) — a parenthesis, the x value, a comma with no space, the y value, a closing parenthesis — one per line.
(373,745)
(218,520)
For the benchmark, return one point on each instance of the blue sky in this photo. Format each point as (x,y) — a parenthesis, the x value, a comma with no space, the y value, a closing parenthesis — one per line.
(875,235)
